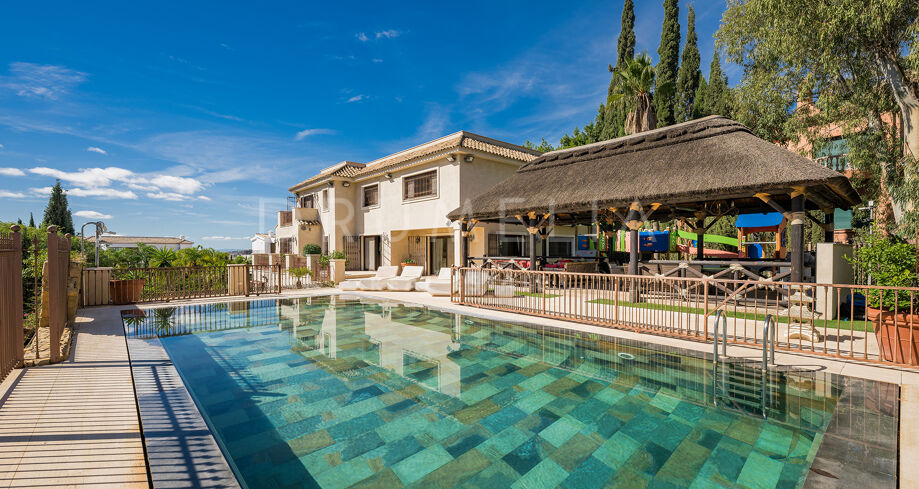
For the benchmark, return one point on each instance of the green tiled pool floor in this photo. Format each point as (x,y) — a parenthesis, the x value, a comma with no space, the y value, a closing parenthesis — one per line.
(336,393)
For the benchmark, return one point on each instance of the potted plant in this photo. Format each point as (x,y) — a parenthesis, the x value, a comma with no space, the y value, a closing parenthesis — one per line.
(407,261)
(895,313)
(126,285)
(299,273)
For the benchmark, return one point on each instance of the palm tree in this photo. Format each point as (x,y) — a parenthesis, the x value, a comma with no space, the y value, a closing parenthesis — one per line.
(163,258)
(190,257)
(146,252)
(634,81)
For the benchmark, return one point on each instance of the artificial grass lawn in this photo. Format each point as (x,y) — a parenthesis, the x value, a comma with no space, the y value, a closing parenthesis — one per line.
(818,323)
(521,293)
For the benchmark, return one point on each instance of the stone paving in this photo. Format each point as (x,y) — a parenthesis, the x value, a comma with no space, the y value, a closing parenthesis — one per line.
(74,424)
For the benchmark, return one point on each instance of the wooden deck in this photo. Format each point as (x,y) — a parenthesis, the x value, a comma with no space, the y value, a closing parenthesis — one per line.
(74,424)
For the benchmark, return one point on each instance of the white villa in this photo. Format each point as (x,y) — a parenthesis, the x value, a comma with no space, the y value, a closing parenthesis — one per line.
(262,242)
(394,208)
(107,241)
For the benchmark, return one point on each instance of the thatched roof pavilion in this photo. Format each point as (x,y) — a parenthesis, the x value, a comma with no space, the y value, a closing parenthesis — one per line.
(706,167)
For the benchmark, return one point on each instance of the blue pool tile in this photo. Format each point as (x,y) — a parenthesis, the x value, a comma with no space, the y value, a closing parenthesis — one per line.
(524,457)
(421,464)
(401,449)
(546,475)
(588,475)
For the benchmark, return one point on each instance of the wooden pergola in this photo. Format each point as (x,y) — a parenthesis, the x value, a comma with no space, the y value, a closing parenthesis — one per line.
(709,167)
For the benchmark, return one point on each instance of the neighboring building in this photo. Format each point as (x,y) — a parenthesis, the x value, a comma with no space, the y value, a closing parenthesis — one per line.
(263,243)
(108,241)
(395,208)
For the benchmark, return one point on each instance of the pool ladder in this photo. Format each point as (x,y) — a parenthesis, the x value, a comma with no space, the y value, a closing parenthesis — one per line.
(768,356)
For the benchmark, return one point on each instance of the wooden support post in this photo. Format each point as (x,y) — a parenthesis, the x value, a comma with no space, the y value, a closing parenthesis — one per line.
(533,262)
(700,240)
(633,252)
(464,245)
(796,247)
(828,225)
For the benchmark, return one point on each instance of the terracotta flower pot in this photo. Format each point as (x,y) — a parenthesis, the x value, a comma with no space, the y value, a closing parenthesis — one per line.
(897,335)
(125,291)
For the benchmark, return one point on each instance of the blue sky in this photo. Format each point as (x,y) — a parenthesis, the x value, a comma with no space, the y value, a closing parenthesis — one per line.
(194,118)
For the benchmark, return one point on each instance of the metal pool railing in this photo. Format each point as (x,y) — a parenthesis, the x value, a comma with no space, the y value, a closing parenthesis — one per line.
(860,322)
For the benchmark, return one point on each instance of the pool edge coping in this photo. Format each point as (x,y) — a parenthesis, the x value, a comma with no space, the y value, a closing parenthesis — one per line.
(159,443)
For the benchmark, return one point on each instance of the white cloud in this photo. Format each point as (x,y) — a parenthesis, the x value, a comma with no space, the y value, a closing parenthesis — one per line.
(94,149)
(388,34)
(102,193)
(356,98)
(41,81)
(224,238)
(11,195)
(171,196)
(11,172)
(181,185)
(204,197)
(362,37)
(98,182)
(377,60)
(311,132)
(92,215)
(1,146)
(87,177)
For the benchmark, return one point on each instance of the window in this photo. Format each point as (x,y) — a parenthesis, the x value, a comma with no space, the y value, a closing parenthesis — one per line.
(371,195)
(560,247)
(508,245)
(307,201)
(325,200)
(422,185)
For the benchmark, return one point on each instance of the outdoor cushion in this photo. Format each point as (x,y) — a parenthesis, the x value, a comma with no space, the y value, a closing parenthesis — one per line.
(406,281)
(379,281)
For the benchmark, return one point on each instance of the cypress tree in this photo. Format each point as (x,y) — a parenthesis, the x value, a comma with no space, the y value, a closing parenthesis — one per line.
(668,56)
(31,221)
(19,221)
(700,103)
(615,111)
(688,80)
(57,212)
(718,95)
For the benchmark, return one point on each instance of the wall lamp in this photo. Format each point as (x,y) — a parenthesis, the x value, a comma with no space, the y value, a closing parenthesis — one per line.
(468,158)
(345,184)
(388,175)
(451,157)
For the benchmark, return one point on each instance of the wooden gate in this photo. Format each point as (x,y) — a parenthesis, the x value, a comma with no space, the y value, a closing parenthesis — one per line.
(11,353)
(56,280)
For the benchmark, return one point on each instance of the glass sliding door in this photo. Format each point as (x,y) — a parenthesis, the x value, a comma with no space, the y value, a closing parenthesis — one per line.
(441,253)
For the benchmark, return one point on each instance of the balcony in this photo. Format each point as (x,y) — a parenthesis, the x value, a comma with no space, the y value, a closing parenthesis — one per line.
(306,214)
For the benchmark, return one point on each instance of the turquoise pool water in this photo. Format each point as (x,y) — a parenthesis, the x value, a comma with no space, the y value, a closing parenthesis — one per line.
(338,392)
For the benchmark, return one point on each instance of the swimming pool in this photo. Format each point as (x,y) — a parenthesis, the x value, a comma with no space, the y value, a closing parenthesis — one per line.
(339,391)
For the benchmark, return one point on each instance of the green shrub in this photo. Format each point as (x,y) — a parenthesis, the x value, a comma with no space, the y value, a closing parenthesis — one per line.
(890,262)
(312,249)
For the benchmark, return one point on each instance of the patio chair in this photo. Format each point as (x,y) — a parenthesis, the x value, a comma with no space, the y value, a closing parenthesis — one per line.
(441,283)
(405,282)
(379,281)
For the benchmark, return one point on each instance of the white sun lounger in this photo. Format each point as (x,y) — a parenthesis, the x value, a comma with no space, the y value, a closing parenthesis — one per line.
(406,281)
(441,284)
(379,281)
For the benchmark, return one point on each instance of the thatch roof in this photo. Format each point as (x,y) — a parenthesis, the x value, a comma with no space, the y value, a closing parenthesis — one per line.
(703,163)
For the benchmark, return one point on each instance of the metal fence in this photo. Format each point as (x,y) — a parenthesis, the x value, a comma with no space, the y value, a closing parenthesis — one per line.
(272,279)
(868,323)
(11,337)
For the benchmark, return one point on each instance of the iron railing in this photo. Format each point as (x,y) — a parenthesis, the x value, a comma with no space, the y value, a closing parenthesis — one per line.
(825,319)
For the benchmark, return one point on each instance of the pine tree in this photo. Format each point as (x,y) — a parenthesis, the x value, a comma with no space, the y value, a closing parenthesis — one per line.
(31,221)
(615,112)
(689,74)
(19,221)
(668,56)
(718,95)
(57,212)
